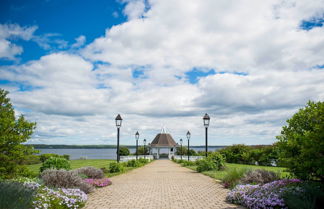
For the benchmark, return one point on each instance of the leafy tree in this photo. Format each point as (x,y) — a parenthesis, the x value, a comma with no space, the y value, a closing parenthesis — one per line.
(301,143)
(124,151)
(13,132)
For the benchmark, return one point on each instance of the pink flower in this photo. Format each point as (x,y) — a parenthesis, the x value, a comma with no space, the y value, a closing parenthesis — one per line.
(98,182)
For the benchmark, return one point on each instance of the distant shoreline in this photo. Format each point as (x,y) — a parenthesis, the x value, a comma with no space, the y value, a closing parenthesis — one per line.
(62,146)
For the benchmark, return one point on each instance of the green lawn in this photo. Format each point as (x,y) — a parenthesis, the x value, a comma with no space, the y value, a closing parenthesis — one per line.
(100,163)
(220,174)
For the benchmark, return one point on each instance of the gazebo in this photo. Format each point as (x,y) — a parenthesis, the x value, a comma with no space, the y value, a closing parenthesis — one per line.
(163,140)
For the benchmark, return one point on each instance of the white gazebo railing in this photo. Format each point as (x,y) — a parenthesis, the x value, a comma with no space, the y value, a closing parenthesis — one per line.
(185,157)
(133,157)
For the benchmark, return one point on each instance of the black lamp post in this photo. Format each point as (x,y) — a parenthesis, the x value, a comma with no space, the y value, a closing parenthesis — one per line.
(188,137)
(144,149)
(118,120)
(137,137)
(206,120)
(181,147)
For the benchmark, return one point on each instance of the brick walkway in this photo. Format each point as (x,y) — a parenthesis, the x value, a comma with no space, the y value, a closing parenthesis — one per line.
(161,184)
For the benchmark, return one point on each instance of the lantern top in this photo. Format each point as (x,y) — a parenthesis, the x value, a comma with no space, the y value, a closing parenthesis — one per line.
(188,135)
(118,120)
(206,120)
(137,135)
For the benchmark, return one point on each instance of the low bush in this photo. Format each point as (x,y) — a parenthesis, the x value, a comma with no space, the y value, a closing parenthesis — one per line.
(218,159)
(55,163)
(15,195)
(65,179)
(124,151)
(188,163)
(261,196)
(205,165)
(105,170)
(232,177)
(115,167)
(143,161)
(133,163)
(98,182)
(91,172)
(259,176)
(44,157)
(66,157)
(306,195)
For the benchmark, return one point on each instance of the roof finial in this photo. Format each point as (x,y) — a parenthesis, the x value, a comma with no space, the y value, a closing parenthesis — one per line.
(163,131)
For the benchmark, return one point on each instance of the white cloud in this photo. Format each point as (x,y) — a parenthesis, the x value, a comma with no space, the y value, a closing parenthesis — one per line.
(9,50)
(80,41)
(134,8)
(75,100)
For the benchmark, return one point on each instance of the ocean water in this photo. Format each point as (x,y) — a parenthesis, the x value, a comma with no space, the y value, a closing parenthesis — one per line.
(99,153)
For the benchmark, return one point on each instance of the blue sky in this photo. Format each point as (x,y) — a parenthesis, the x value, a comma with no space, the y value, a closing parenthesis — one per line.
(72,66)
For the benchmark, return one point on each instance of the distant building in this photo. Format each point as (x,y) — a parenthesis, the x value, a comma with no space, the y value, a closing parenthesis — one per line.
(163,141)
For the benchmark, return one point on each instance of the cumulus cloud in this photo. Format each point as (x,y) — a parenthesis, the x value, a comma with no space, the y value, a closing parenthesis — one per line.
(8,49)
(266,67)
(80,41)
(243,36)
(134,8)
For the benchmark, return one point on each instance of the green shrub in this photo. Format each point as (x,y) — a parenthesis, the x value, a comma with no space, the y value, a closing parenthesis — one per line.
(44,157)
(217,159)
(133,163)
(188,163)
(123,151)
(66,157)
(14,195)
(115,167)
(205,165)
(143,161)
(55,163)
(237,153)
(306,195)
(232,177)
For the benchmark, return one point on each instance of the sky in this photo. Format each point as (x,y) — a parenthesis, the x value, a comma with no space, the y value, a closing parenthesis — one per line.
(72,66)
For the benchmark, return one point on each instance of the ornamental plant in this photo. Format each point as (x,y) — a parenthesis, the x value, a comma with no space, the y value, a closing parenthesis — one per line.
(65,179)
(90,172)
(61,198)
(98,182)
(261,196)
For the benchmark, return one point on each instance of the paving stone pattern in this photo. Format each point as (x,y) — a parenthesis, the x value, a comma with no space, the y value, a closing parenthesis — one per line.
(161,184)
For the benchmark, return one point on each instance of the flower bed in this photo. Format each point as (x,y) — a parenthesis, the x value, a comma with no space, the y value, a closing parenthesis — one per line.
(61,198)
(98,182)
(261,196)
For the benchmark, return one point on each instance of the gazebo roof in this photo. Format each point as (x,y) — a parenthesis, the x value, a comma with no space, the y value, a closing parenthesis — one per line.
(163,140)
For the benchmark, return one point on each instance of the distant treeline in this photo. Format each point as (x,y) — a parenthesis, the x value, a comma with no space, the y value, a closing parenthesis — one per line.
(64,146)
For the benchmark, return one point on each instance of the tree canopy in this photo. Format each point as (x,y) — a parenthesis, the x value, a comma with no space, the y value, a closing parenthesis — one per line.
(301,143)
(13,132)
